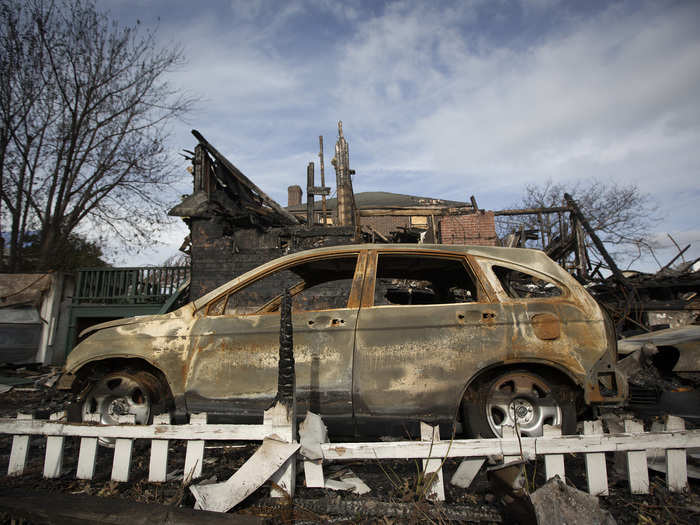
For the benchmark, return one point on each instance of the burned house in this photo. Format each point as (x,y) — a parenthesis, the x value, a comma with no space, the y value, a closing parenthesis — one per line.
(385,216)
(235,226)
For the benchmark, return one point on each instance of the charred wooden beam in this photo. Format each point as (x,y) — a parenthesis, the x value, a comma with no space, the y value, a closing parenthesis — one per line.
(310,195)
(285,378)
(596,240)
(668,265)
(235,172)
(323,178)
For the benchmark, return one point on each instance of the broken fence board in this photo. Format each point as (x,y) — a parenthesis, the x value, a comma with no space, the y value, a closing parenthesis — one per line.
(221,497)
(121,464)
(281,417)
(637,470)
(596,471)
(53,460)
(466,472)
(313,432)
(194,456)
(553,463)
(676,459)
(432,468)
(158,465)
(18,454)
(509,447)
(88,452)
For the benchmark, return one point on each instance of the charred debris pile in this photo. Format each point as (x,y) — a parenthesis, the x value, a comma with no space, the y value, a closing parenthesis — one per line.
(235,226)
(637,302)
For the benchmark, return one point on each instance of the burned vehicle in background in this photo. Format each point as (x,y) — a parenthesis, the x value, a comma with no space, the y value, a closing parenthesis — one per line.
(384,336)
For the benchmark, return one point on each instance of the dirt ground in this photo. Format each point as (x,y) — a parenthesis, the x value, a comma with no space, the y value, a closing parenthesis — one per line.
(396,486)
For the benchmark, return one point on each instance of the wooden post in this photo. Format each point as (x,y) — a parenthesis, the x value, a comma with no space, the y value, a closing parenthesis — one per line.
(158,466)
(282,415)
(596,471)
(88,451)
(676,460)
(637,470)
(553,463)
(194,456)
(323,179)
(20,447)
(121,464)
(432,468)
(310,195)
(53,462)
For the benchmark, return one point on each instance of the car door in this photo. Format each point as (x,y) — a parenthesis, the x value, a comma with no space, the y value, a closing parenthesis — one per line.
(422,328)
(234,363)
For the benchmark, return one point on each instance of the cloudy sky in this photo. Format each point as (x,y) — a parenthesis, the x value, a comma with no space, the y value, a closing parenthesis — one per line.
(445,99)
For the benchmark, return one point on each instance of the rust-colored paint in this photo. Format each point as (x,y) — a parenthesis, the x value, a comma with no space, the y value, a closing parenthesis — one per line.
(546,326)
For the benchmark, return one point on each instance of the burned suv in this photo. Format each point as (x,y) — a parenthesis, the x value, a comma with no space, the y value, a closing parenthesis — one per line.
(384,336)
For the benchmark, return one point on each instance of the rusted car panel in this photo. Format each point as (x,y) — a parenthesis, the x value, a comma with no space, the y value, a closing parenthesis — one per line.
(408,330)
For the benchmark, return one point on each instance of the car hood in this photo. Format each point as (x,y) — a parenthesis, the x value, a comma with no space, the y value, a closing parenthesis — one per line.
(119,322)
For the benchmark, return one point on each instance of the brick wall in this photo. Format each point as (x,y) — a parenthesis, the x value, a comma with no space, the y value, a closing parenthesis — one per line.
(475,228)
(220,253)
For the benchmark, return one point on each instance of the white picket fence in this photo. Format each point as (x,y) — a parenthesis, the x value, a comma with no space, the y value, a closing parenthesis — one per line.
(196,433)
(593,444)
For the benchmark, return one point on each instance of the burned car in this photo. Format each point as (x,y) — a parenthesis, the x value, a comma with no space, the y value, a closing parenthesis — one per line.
(384,336)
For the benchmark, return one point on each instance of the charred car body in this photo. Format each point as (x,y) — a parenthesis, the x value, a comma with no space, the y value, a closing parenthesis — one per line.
(384,336)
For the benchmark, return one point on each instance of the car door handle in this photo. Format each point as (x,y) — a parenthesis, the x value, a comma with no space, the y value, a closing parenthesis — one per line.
(488,316)
(337,322)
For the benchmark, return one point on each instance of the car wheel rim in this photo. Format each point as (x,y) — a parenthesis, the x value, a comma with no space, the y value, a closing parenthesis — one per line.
(117,395)
(523,400)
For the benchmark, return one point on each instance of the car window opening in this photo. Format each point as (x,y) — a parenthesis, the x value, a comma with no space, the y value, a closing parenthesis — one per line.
(320,284)
(521,285)
(420,280)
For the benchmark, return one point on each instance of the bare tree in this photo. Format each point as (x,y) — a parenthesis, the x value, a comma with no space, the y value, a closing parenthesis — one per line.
(621,215)
(85,108)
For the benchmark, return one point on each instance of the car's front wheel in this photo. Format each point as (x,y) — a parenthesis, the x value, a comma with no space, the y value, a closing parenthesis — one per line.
(519,399)
(123,393)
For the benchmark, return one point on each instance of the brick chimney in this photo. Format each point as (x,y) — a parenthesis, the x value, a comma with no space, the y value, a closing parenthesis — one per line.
(294,195)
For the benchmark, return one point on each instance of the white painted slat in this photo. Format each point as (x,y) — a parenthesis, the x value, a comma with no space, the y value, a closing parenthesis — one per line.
(312,432)
(205,432)
(596,471)
(194,456)
(121,463)
(637,470)
(432,468)
(283,425)
(158,466)
(53,462)
(508,432)
(676,459)
(88,452)
(553,463)
(18,454)
(466,472)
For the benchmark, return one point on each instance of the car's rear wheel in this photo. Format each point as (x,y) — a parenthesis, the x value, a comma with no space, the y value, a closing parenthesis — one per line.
(518,398)
(123,393)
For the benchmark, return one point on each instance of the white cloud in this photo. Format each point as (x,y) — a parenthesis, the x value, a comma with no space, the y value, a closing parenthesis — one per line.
(455,99)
